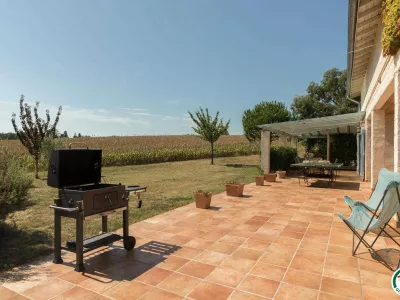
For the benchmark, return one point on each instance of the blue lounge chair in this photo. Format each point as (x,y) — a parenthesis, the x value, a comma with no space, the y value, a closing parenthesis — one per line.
(364,219)
(384,178)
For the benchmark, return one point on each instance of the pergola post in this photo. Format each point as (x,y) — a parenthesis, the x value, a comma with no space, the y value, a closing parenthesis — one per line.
(328,146)
(266,151)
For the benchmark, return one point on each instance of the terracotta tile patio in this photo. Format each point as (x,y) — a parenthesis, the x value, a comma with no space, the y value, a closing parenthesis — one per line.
(281,241)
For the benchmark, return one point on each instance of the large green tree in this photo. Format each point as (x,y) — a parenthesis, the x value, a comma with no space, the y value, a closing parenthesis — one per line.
(327,98)
(209,128)
(263,113)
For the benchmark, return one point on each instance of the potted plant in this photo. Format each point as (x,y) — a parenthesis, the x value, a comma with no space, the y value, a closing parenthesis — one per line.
(281,174)
(260,178)
(234,189)
(270,177)
(203,199)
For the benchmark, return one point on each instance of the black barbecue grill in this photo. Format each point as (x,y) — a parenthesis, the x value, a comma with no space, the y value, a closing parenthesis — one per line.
(77,175)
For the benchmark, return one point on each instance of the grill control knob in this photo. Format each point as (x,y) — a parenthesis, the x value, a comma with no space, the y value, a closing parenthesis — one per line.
(71,203)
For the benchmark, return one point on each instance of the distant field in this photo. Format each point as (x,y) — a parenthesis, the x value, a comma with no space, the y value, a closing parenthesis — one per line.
(133,150)
(123,144)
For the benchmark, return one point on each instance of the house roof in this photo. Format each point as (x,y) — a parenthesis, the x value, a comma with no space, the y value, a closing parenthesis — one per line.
(318,127)
(364,17)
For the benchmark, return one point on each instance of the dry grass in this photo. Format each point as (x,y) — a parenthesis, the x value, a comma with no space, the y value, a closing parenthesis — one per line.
(170,185)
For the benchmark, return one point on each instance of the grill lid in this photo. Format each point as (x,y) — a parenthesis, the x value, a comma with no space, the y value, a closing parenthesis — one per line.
(71,167)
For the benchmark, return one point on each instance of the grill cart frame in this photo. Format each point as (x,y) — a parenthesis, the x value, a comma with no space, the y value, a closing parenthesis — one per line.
(77,175)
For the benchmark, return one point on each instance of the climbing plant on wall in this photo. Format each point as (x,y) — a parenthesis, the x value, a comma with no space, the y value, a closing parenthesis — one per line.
(391,27)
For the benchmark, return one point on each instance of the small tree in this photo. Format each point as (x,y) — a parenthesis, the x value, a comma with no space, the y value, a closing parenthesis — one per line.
(64,134)
(263,113)
(34,129)
(210,129)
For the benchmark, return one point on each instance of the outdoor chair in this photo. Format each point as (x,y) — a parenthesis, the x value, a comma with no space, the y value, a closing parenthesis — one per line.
(364,219)
(384,178)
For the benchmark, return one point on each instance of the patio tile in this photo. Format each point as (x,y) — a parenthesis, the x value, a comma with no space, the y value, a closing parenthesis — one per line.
(197,269)
(308,280)
(334,249)
(128,290)
(191,233)
(341,287)
(287,241)
(160,294)
(48,289)
(222,248)
(292,234)
(211,257)
(373,293)
(341,272)
(76,293)
(178,240)
(73,277)
(247,253)
(187,252)
(234,240)
(341,261)
(239,295)
(311,245)
(238,264)
(212,235)
(226,277)
(172,263)
(241,233)
(268,271)
(260,286)
(309,261)
(296,228)
(6,293)
(199,243)
(325,296)
(376,279)
(179,284)
(208,290)
(173,229)
(154,276)
(289,292)
(256,244)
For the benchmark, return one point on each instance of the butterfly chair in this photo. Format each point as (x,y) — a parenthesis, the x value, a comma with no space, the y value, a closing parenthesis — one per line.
(364,219)
(385,176)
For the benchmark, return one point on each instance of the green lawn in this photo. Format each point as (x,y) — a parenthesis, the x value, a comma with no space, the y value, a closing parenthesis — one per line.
(170,185)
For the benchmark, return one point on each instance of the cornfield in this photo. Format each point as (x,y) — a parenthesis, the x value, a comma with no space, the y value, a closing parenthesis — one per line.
(131,150)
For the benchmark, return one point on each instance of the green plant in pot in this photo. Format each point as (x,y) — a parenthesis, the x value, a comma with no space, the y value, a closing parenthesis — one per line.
(234,189)
(202,198)
(259,179)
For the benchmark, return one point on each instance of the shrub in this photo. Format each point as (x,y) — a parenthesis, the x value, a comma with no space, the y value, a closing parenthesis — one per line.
(282,157)
(14,184)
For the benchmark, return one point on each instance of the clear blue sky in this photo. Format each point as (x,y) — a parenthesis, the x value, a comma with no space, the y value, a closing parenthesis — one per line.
(137,67)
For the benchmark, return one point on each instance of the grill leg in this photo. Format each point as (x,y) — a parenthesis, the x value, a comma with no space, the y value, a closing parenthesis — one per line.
(125,225)
(129,241)
(79,242)
(57,238)
(104,224)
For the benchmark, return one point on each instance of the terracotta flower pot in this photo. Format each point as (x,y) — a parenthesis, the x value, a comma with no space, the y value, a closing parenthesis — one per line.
(271,177)
(202,200)
(259,180)
(234,190)
(281,174)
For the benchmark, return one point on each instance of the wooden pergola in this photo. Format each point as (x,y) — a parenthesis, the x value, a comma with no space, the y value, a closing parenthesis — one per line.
(308,128)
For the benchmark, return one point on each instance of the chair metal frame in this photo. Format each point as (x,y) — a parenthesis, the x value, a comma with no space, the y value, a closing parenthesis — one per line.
(382,229)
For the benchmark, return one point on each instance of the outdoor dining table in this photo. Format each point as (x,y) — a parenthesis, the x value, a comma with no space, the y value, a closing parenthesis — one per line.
(325,170)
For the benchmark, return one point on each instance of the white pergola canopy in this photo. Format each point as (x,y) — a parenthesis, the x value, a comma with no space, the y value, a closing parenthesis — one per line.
(318,127)
(308,128)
